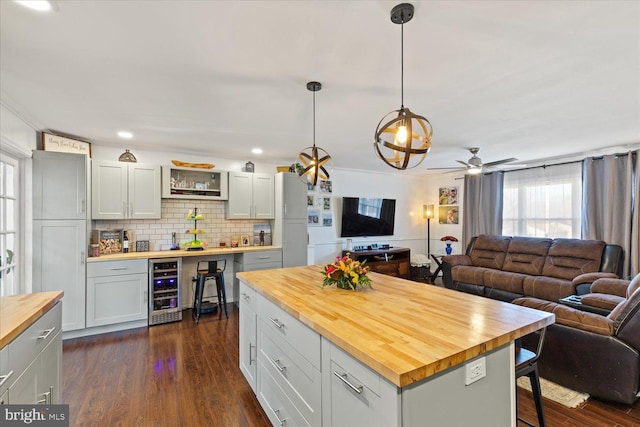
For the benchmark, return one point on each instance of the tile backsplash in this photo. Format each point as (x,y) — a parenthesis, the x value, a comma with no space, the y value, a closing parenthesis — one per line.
(174,219)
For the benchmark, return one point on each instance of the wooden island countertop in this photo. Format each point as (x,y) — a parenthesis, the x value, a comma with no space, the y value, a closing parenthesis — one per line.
(18,312)
(405,331)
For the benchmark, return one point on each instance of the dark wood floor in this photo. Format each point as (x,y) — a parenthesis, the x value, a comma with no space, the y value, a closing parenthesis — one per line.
(187,375)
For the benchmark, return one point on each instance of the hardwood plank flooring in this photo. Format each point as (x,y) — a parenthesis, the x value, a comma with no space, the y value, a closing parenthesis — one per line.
(187,374)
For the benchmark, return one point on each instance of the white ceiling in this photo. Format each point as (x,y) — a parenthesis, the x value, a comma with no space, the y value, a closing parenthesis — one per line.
(527,79)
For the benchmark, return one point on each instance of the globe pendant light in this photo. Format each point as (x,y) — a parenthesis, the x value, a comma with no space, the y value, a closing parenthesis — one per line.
(316,162)
(402,138)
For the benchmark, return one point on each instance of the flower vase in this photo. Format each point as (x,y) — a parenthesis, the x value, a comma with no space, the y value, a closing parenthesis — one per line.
(448,249)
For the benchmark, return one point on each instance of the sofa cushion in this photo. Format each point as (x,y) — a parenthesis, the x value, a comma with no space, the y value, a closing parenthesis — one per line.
(526,255)
(568,258)
(569,316)
(468,274)
(549,288)
(512,282)
(490,251)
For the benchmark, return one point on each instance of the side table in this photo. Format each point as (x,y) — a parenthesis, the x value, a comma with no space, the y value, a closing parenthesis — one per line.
(438,259)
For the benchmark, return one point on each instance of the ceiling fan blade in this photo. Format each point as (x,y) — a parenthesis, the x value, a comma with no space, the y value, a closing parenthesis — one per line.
(499,162)
(467,165)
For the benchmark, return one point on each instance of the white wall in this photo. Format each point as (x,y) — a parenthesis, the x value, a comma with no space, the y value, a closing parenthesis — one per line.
(434,183)
(18,139)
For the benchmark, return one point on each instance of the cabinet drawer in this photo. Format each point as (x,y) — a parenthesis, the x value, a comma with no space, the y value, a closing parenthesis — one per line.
(389,268)
(5,372)
(357,373)
(295,375)
(248,296)
(261,257)
(26,347)
(294,332)
(117,268)
(276,405)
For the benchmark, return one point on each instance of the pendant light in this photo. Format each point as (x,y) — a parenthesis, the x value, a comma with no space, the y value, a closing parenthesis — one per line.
(402,138)
(316,162)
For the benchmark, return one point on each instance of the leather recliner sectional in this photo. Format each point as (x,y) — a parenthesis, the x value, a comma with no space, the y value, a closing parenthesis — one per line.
(593,353)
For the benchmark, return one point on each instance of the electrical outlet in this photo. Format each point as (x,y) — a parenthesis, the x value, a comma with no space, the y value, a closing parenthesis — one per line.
(475,370)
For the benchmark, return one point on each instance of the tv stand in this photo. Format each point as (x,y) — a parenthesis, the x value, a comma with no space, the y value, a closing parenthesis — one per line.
(392,261)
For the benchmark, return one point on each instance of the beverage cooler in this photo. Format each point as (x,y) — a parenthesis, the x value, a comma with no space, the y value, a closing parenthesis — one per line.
(165,304)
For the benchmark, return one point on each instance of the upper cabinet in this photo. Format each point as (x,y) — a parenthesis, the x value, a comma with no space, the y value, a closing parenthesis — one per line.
(251,196)
(190,183)
(59,185)
(125,190)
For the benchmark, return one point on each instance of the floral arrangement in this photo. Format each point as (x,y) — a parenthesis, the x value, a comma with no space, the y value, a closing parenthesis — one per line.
(346,273)
(448,239)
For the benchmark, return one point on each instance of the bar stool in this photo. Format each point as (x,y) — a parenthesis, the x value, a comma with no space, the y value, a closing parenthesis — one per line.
(211,272)
(527,365)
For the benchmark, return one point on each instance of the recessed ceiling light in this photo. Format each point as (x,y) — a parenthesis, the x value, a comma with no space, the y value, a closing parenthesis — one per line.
(39,5)
(257,151)
(125,134)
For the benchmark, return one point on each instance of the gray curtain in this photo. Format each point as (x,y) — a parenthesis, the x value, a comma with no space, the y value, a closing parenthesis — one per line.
(482,207)
(610,204)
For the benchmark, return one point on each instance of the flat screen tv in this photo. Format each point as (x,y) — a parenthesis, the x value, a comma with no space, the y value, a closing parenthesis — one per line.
(367,217)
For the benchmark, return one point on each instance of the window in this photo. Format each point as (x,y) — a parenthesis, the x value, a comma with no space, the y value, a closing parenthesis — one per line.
(543,202)
(9,225)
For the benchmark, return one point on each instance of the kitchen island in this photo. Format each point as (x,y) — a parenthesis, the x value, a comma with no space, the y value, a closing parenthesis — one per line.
(393,355)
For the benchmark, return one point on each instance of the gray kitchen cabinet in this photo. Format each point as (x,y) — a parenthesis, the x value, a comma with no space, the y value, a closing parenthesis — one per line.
(290,225)
(59,259)
(252,261)
(248,351)
(35,361)
(125,190)
(117,292)
(251,196)
(59,185)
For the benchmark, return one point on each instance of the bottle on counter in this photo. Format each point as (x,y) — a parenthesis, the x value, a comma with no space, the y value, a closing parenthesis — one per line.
(125,243)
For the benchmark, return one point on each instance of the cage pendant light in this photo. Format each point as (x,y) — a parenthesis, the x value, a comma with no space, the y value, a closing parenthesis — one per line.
(316,162)
(403,138)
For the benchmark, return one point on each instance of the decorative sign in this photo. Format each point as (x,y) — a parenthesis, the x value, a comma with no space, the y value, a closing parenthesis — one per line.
(65,145)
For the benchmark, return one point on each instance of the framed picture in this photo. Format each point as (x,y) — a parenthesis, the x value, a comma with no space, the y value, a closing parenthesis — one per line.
(310,201)
(327,220)
(313,218)
(325,187)
(448,196)
(61,144)
(326,203)
(448,215)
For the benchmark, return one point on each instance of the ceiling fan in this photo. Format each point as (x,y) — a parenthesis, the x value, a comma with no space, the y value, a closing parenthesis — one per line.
(474,165)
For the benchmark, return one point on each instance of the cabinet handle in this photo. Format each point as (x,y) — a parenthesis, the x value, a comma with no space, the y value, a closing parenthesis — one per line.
(46,334)
(50,395)
(130,209)
(82,257)
(343,377)
(5,377)
(118,268)
(82,206)
(277,414)
(285,209)
(45,398)
(146,296)
(277,323)
(264,257)
(251,360)
(277,364)
(246,296)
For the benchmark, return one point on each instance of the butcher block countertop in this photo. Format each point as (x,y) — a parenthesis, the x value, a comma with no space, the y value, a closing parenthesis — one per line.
(18,312)
(405,331)
(181,253)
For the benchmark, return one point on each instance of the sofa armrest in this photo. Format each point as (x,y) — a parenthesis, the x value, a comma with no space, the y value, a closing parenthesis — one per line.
(569,316)
(457,259)
(604,301)
(610,286)
(592,277)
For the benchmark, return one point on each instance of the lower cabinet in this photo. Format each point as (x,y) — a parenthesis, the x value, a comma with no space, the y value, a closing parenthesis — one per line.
(248,335)
(117,292)
(252,261)
(34,370)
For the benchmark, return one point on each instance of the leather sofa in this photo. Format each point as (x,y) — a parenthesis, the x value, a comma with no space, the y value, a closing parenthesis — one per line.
(594,353)
(506,268)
